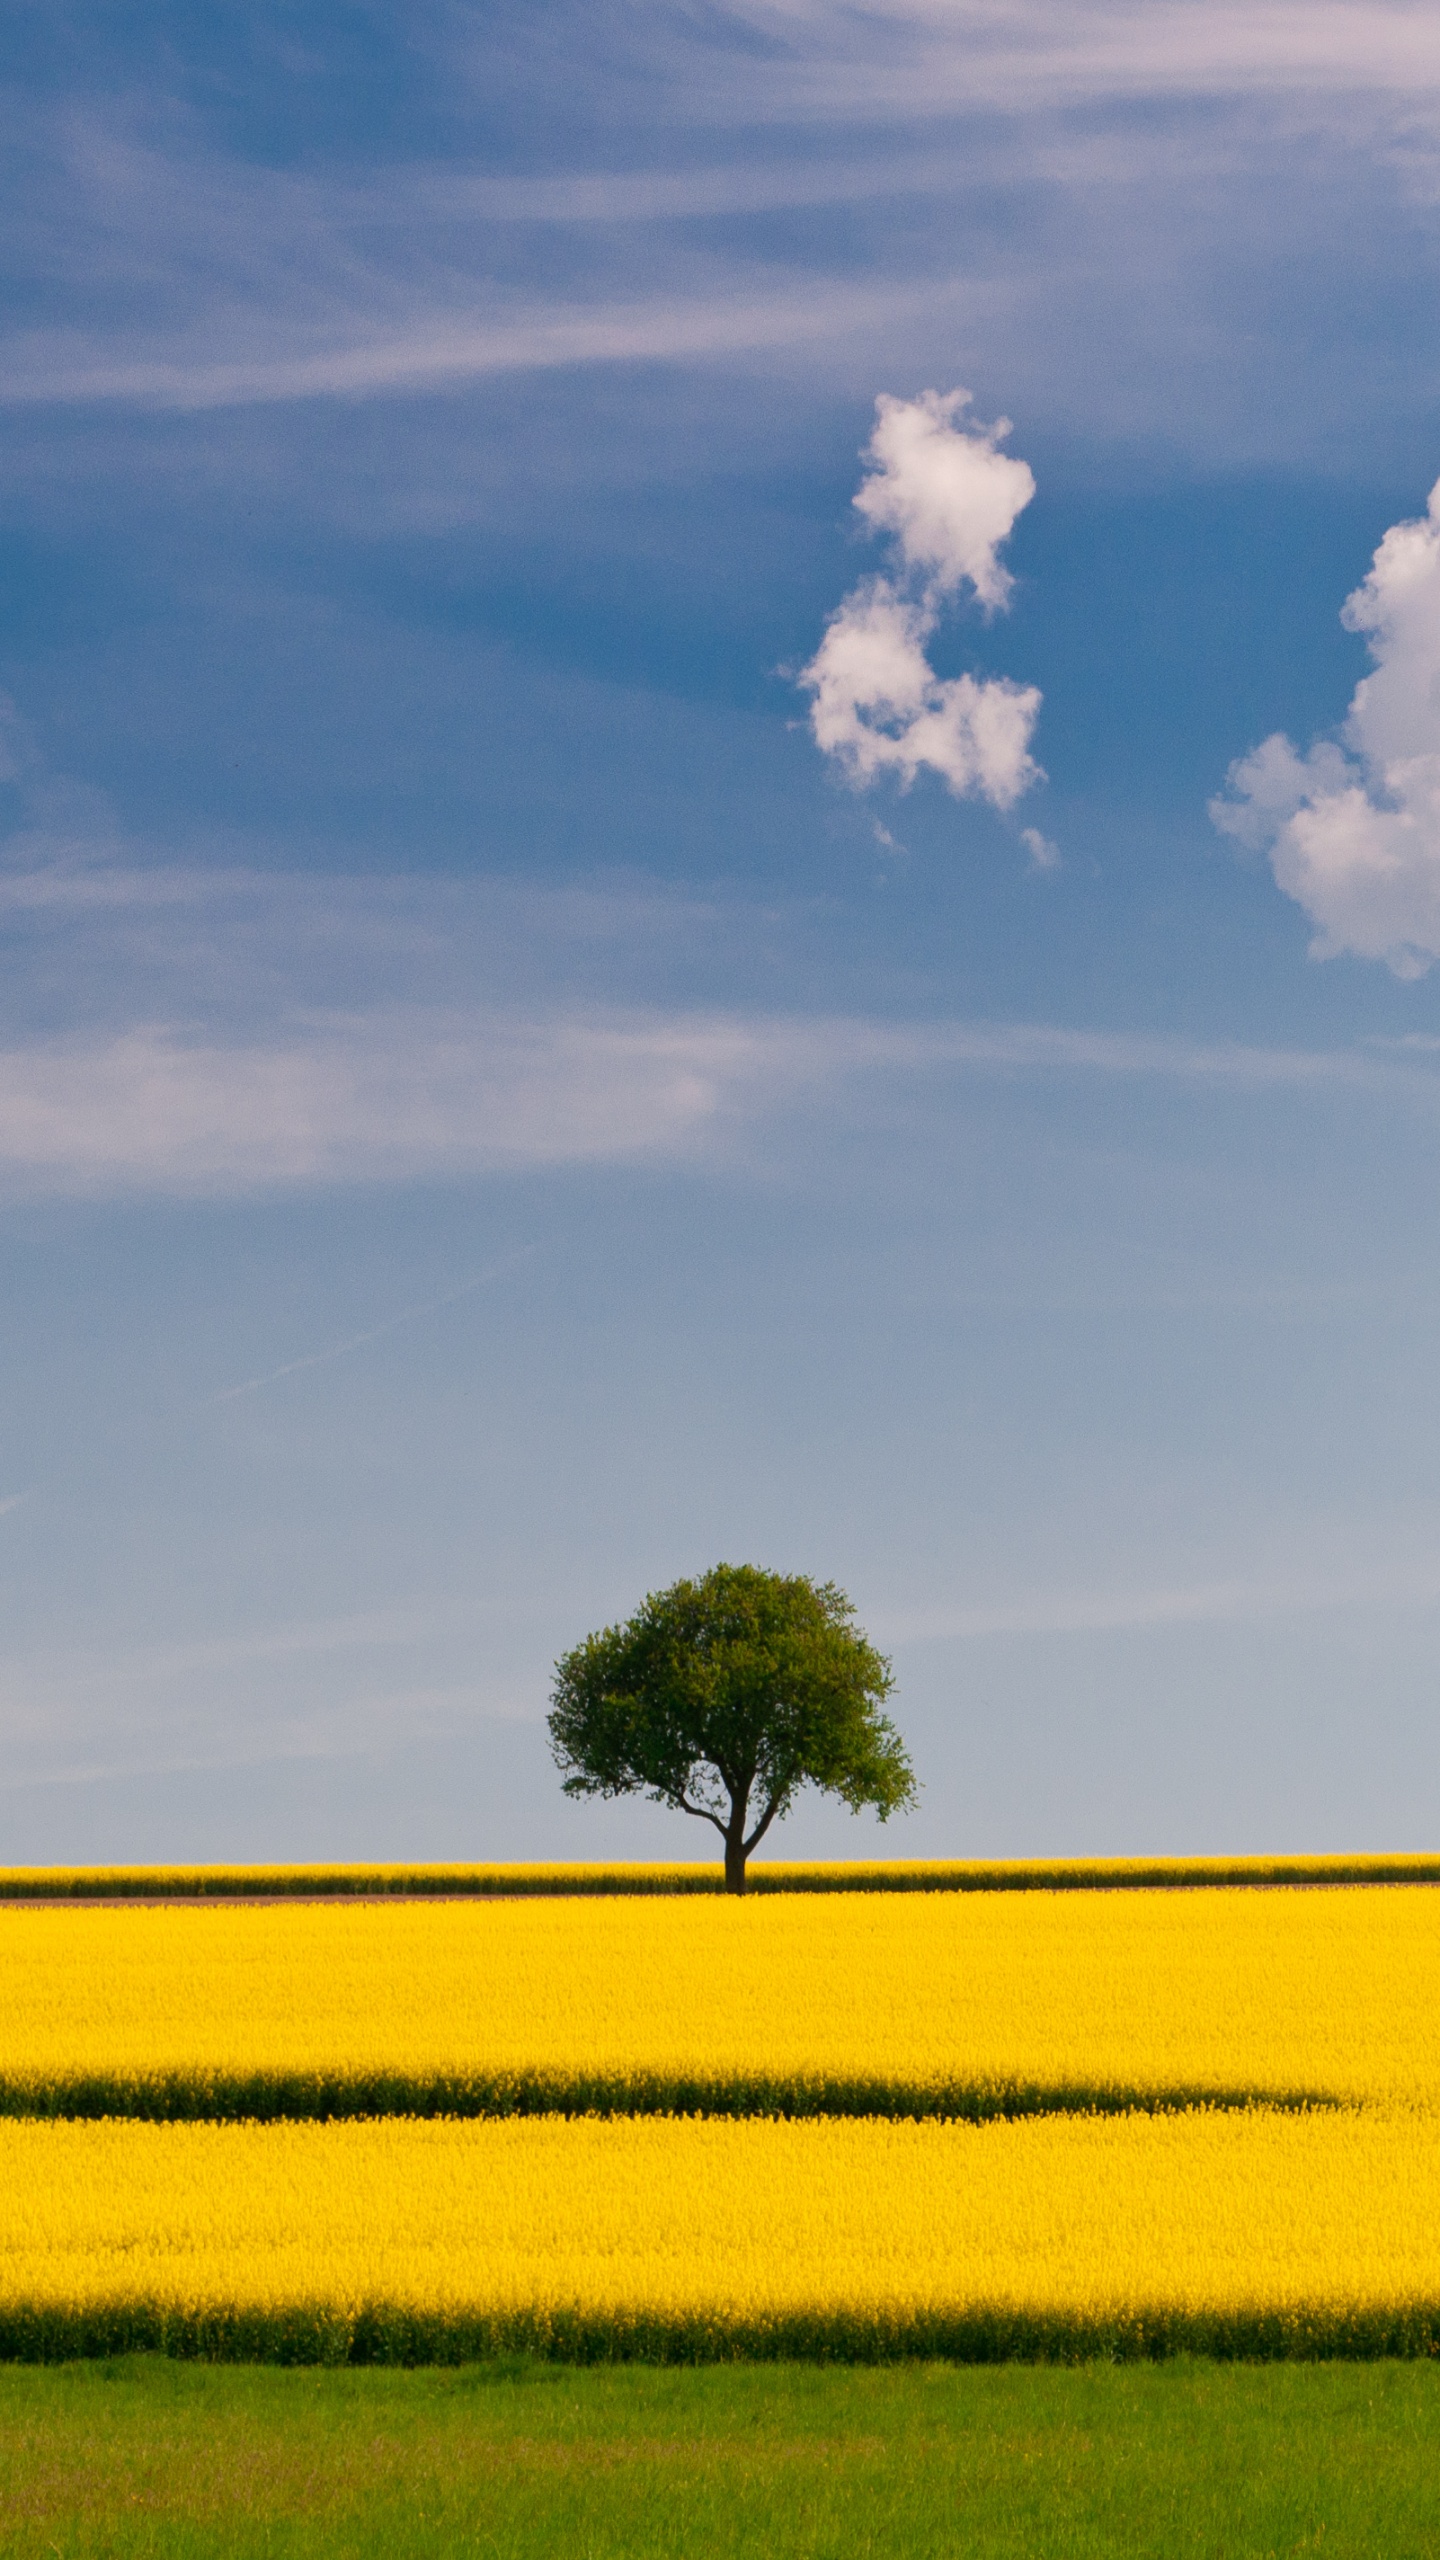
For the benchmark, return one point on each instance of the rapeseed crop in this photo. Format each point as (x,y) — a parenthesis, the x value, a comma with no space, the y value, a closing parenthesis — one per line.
(1223,2126)
(1242,2233)
(966,2005)
(767,1875)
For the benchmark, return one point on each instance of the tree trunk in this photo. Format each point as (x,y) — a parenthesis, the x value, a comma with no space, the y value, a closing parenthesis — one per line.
(735,1860)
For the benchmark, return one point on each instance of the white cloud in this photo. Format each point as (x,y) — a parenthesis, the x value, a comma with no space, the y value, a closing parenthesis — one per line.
(406,1095)
(1044,855)
(941,487)
(880,708)
(448,349)
(384,1096)
(1353,827)
(163,274)
(928,56)
(218,1032)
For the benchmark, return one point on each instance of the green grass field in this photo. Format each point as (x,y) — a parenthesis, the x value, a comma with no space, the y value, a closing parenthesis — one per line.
(1170,2462)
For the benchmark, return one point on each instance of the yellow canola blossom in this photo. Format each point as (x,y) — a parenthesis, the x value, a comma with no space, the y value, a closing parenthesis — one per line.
(1247,2233)
(866,2004)
(767,1875)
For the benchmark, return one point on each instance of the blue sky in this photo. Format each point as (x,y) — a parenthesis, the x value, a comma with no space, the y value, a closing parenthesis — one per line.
(494,1115)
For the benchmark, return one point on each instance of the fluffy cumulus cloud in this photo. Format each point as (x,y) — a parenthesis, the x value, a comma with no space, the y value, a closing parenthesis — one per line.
(1352,827)
(941,488)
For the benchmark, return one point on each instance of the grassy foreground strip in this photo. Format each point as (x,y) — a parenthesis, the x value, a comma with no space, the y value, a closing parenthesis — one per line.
(937,2004)
(138,2458)
(881,1875)
(1055,2239)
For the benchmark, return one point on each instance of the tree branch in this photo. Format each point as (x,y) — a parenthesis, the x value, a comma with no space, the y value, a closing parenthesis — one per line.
(702,1815)
(763,1825)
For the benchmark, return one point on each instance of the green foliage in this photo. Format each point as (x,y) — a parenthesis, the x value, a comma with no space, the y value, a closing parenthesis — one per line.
(730,1693)
(140,2459)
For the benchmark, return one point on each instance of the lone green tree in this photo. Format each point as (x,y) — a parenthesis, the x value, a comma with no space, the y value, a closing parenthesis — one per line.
(723,1698)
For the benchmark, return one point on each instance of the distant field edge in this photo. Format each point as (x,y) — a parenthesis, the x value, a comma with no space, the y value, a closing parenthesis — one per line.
(381,2333)
(914,1875)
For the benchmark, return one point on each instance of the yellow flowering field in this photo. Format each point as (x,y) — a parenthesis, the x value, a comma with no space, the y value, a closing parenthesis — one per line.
(974,2124)
(967,2004)
(1242,2233)
(767,1875)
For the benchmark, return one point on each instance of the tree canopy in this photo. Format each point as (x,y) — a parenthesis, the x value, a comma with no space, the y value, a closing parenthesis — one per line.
(723,1698)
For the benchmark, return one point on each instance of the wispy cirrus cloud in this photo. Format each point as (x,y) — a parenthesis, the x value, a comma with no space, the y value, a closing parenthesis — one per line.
(402,1097)
(446,350)
(180,278)
(220,1031)
(389,1096)
(924,57)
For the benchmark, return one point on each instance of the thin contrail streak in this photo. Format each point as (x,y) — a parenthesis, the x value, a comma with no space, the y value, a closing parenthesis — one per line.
(357,1341)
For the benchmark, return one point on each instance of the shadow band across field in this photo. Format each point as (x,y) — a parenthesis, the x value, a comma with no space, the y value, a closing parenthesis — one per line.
(271,2097)
(519,1882)
(381,2333)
